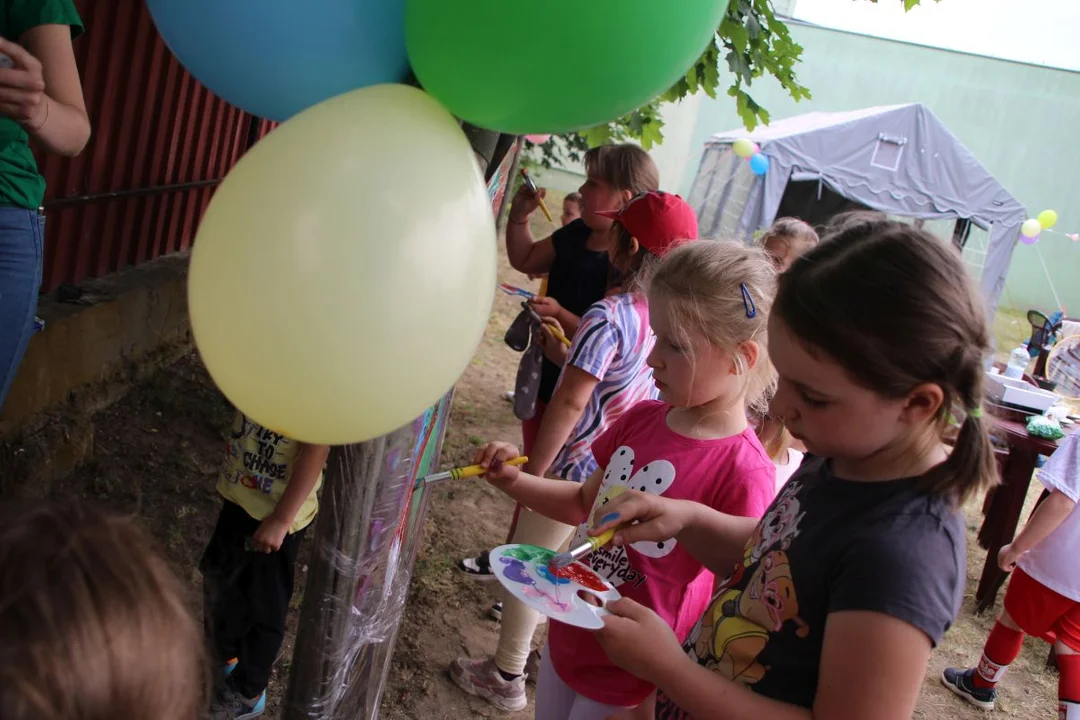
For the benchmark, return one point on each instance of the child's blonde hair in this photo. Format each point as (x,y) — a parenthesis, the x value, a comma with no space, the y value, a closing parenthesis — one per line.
(774,437)
(93,622)
(724,290)
(623,167)
(798,236)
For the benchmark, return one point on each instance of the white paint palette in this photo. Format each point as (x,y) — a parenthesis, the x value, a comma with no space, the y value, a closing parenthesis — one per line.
(524,570)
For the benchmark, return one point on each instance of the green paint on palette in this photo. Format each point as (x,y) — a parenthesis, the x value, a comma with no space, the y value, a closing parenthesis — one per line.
(530,553)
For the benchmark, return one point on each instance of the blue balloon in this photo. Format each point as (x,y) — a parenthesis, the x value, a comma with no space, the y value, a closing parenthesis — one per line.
(759,164)
(274,58)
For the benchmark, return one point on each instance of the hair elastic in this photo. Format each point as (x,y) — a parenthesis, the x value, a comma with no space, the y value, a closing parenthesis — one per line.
(976,413)
(748,301)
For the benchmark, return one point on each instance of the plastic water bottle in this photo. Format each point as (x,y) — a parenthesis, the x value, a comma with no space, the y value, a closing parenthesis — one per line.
(1018,362)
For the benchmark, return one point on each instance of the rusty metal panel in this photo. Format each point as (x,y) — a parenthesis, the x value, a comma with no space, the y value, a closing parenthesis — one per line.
(161,142)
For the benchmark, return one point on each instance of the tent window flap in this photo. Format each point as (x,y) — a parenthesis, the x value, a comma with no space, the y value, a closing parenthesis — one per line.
(888,151)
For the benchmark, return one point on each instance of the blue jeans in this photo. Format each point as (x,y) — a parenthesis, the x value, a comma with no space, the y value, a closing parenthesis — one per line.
(21,238)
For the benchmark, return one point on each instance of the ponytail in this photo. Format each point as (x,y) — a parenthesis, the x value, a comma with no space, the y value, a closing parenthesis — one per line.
(971,467)
(640,267)
(773,436)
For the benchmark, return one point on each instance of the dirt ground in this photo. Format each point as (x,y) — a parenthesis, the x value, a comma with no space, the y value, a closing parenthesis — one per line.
(157,454)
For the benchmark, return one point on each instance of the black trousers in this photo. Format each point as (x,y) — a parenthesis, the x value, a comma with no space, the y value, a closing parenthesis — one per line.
(246,598)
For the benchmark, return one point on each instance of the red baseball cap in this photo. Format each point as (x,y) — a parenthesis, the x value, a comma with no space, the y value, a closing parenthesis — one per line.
(660,221)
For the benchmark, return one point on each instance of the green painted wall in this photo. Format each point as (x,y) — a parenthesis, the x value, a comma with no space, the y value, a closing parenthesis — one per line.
(1021,121)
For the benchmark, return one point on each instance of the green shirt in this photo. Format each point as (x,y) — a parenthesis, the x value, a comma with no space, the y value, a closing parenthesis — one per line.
(21,184)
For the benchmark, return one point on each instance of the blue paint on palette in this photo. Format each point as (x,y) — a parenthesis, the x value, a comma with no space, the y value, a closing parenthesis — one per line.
(545,572)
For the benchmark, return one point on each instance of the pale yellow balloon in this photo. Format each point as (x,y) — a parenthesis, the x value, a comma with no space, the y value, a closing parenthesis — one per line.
(342,276)
(743,147)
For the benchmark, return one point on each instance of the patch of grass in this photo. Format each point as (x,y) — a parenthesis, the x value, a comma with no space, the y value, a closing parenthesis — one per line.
(175,538)
(1011,328)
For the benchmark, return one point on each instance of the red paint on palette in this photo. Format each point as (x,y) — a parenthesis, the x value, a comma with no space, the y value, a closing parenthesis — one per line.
(581,575)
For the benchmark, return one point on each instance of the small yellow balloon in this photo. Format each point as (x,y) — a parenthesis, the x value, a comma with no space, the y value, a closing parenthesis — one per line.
(341,278)
(1048,219)
(1031,228)
(743,147)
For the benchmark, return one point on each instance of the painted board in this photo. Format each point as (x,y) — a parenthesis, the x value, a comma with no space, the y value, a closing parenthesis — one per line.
(525,573)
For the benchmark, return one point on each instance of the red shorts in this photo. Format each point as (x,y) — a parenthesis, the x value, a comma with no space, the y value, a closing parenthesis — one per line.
(1041,612)
(531,428)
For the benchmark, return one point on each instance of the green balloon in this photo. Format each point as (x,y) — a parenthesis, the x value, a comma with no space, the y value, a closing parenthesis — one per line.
(550,67)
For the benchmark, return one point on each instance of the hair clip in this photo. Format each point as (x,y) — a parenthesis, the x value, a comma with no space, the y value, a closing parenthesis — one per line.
(975,413)
(748,302)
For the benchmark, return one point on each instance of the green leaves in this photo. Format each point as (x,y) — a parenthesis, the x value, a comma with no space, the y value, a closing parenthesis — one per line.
(754,42)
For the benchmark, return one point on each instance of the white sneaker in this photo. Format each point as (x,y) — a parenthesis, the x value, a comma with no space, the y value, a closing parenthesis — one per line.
(481,678)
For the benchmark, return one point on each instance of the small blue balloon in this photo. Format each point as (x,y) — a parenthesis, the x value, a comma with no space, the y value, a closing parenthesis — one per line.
(274,58)
(759,164)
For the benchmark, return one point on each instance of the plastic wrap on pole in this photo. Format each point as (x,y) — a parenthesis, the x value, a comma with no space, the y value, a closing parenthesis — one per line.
(366,538)
(367,535)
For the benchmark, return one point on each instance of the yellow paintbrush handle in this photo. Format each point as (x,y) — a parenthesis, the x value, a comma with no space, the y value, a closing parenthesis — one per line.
(544,208)
(478,470)
(603,538)
(558,334)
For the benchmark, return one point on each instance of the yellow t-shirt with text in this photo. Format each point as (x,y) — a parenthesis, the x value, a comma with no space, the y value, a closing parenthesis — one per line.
(258,465)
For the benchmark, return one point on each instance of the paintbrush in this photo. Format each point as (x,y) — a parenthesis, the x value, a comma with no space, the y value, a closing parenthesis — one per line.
(512,290)
(466,472)
(589,546)
(535,191)
(554,330)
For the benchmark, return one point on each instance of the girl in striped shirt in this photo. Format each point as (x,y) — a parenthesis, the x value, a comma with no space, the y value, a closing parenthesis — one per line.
(605,373)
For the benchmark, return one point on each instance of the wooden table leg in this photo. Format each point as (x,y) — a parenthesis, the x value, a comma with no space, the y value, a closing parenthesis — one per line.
(1000,458)
(987,501)
(1002,518)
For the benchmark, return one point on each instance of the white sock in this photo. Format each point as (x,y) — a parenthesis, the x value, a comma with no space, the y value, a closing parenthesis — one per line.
(990,671)
(1068,710)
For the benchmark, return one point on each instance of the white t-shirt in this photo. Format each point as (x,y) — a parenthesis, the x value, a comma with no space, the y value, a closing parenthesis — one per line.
(784,471)
(1053,561)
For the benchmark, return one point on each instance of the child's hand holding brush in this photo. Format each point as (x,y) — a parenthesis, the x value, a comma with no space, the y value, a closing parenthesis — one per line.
(497,458)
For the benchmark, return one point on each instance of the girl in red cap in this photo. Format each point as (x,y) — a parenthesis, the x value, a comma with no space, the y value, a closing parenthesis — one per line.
(575,259)
(604,374)
(707,304)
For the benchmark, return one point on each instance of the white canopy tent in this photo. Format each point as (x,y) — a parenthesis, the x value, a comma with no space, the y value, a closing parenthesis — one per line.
(898,159)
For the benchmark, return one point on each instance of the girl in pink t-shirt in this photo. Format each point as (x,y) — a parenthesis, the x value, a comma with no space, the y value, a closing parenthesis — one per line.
(708,305)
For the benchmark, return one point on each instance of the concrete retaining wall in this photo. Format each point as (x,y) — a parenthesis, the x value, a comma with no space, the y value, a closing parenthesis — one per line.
(118,332)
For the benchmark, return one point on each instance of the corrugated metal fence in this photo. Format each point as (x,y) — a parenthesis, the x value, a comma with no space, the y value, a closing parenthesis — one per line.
(161,143)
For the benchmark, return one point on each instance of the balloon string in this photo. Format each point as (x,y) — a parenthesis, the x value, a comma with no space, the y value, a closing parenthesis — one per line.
(1050,282)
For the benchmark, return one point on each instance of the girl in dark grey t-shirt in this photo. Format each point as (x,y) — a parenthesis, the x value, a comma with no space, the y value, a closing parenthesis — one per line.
(839,594)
